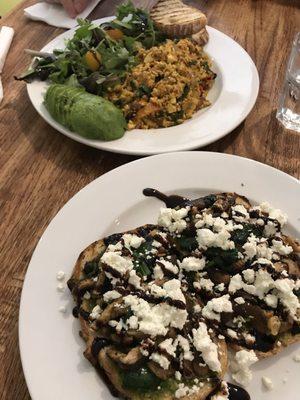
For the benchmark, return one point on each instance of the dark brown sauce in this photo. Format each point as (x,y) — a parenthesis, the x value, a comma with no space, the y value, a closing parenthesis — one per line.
(237,393)
(171,201)
(234,392)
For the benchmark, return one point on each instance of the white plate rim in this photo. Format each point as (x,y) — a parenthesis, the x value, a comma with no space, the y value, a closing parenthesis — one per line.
(138,142)
(279,176)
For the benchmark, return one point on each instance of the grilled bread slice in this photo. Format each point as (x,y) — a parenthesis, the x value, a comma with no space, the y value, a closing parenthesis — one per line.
(201,37)
(176,19)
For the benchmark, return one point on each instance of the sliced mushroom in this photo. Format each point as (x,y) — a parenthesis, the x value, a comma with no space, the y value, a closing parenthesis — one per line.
(112,311)
(292,266)
(274,324)
(243,201)
(200,370)
(260,318)
(187,369)
(218,276)
(294,243)
(161,373)
(125,360)
(84,285)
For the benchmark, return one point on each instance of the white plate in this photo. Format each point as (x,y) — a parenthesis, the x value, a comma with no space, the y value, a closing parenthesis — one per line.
(233,95)
(51,349)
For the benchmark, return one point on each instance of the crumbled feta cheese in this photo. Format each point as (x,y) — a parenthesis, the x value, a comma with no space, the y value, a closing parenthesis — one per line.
(60,287)
(220,287)
(134,279)
(270,229)
(155,319)
(239,300)
(117,262)
(173,219)
(173,290)
(274,213)
(192,264)
(168,346)
(232,333)
(205,284)
(178,375)
(207,348)
(249,275)
(197,308)
(169,266)
(132,241)
(95,312)
(271,300)
(115,247)
(206,238)
(214,307)
(279,247)
(296,357)
(286,296)
(60,275)
(185,390)
(132,322)
(267,382)
(111,295)
(185,345)
(237,210)
(240,366)
(160,360)
(157,272)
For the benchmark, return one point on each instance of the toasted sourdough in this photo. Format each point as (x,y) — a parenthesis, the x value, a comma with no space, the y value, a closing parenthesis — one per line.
(176,19)
(107,367)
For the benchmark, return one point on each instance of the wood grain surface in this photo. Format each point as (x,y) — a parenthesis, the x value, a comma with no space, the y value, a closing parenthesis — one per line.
(41,169)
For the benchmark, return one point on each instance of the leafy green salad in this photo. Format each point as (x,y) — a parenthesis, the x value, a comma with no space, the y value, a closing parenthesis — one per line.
(96,57)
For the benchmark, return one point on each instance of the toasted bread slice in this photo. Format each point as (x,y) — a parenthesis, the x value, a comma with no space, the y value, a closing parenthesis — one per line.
(201,37)
(176,19)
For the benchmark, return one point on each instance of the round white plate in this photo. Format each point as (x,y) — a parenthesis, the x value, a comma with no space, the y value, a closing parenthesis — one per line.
(232,96)
(51,349)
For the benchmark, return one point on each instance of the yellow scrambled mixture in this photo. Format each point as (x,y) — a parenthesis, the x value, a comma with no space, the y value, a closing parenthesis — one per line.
(167,87)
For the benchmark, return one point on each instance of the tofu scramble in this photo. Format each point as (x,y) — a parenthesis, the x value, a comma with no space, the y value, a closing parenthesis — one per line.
(167,87)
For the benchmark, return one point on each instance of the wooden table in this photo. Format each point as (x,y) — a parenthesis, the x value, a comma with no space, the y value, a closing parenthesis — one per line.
(41,169)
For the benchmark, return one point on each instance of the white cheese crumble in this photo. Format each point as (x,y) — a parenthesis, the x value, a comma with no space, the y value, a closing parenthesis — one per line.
(169,266)
(205,284)
(239,300)
(296,357)
(206,238)
(274,213)
(197,308)
(185,390)
(185,345)
(232,333)
(155,319)
(60,287)
(173,219)
(111,295)
(157,272)
(208,349)
(60,275)
(95,312)
(237,210)
(178,375)
(62,309)
(168,346)
(132,241)
(240,366)
(214,307)
(117,262)
(160,360)
(134,279)
(281,248)
(192,263)
(267,382)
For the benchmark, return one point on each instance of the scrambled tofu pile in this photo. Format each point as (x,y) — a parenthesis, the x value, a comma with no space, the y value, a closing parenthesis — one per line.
(167,87)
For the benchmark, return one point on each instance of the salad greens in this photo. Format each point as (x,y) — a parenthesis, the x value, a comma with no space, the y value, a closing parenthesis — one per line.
(98,56)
